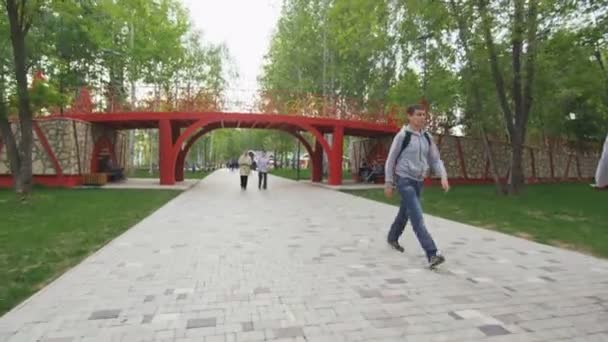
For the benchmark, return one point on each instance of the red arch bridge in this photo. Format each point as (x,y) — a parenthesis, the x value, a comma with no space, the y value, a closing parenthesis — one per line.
(179,130)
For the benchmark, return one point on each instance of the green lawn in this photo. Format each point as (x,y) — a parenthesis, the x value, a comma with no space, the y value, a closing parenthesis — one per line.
(567,215)
(58,228)
(144,173)
(304,173)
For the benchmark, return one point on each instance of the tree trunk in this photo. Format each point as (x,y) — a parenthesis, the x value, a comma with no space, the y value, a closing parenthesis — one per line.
(597,54)
(523,101)
(500,187)
(530,60)
(501,92)
(7,138)
(516,52)
(19,28)
(477,103)
(9,142)
(516,118)
(517,173)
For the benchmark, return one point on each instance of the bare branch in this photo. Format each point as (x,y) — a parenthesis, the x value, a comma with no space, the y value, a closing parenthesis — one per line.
(517,41)
(22,14)
(496,72)
(530,61)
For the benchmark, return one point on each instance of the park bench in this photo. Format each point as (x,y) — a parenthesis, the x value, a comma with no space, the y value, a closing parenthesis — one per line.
(97,179)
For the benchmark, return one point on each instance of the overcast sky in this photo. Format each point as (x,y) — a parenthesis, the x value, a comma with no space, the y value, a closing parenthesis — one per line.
(245,26)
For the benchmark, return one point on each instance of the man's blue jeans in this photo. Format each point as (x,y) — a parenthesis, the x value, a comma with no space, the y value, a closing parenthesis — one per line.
(410,190)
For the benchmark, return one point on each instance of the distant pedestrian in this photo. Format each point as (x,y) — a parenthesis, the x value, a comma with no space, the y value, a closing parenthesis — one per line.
(262,164)
(244,169)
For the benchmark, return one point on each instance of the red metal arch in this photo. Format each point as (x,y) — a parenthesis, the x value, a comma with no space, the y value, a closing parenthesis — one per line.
(172,142)
(169,162)
(181,156)
(303,141)
(190,131)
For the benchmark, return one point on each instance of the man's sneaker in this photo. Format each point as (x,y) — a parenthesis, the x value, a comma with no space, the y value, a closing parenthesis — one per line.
(396,245)
(436,260)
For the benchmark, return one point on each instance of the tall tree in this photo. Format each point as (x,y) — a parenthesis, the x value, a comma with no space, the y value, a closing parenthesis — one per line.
(6,135)
(20,16)
(474,105)
(515,103)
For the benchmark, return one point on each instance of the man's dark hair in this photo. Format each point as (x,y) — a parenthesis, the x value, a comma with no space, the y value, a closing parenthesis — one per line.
(413,108)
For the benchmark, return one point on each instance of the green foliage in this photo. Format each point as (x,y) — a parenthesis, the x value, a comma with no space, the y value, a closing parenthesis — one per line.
(44,98)
(108,44)
(230,143)
(396,52)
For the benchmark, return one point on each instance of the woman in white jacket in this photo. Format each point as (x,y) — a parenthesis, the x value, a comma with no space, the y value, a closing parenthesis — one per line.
(244,168)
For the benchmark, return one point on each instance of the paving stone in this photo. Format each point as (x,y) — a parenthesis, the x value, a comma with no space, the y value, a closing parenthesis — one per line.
(395,299)
(104,314)
(459,299)
(288,332)
(201,323)
(261,290)
(455,315)
(369,293)
(247,326)
(507,318)
(493,330)
(396,281)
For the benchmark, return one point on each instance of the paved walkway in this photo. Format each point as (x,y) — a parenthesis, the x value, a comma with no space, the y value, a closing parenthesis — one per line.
(302,263)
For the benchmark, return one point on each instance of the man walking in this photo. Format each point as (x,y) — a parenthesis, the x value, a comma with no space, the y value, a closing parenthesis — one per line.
(411,155)
(262,170)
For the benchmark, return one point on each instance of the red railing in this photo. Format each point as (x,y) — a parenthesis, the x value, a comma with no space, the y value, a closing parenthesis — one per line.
(190,99)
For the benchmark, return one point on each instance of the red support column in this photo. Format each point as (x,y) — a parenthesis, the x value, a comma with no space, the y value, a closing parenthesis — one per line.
(335,158)
(181,156)
(165,150)
(317,163)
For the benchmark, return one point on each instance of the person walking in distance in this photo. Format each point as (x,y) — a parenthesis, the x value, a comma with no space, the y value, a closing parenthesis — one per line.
(411,155)
(262,165)
(244,169)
